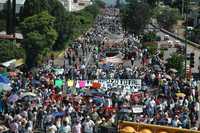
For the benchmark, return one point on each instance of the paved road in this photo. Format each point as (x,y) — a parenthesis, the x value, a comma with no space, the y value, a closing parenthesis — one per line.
(190,49)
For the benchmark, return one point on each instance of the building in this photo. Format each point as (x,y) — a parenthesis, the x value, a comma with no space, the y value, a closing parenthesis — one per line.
(70,5)
(19,4)
(75,5)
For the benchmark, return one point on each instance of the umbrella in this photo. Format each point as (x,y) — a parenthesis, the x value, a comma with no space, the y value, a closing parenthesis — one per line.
(157,67)
(4,80)
(29,94)
(27,98)
(35,82)
(96,85)
(128,129)
(173,70)
(180,94)
(97,100)
(13,98)
(58,114)
(95,92)
(105,66)
(5,87)
(145,131)
(124,110)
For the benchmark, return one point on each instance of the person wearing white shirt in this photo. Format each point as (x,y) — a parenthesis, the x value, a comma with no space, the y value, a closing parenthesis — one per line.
(52,128)
(76,127)
(88,125)
(65,128)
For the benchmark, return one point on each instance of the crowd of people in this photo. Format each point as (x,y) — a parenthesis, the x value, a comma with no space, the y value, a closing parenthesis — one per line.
(35,103)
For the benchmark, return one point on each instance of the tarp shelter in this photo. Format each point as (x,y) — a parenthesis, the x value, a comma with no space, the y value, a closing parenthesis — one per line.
(9,63)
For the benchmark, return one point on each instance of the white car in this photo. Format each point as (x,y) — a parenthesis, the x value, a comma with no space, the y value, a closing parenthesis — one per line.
(166,37)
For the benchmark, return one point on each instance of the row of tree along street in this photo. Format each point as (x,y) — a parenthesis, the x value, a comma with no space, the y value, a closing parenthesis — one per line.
(47,26)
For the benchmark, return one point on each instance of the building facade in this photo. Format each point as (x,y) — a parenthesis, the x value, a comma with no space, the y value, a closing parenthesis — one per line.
(75,5)
(19,5)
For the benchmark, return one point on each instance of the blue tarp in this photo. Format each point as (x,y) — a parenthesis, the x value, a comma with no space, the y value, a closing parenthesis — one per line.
(4,79)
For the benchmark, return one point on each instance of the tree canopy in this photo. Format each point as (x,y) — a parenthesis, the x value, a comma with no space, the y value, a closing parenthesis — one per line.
(9,50)
(64,24)
(195,34)
(135,16)
(32,7)
(39,36)
(167,17)
(176,62)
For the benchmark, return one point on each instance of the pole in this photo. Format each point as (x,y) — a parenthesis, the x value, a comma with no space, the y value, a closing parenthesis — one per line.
(13,17)
(182,10)
(186,32)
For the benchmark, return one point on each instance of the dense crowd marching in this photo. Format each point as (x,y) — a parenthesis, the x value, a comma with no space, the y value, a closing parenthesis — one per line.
(35,103)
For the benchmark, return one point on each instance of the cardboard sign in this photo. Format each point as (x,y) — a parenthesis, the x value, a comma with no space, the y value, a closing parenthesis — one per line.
(70,83)
(58,83)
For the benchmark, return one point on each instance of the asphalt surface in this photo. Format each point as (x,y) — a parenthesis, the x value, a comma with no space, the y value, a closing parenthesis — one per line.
(190,49)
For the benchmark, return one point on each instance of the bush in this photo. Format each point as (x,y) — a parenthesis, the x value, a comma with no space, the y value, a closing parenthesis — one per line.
(149,37)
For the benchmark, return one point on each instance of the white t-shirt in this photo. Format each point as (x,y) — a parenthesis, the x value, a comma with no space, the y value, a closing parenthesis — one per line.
(76,128)
(66,129)
(88,126)
(52,129)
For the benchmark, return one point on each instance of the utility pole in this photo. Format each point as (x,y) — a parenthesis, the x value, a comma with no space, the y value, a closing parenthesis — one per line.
(186,34)
(182,10)
(13,17)
(8,17)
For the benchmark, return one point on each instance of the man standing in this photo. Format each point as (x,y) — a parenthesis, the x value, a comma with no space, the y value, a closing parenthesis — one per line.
(88,125)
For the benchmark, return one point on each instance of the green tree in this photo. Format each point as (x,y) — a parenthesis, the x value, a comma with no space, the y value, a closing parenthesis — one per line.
(39,36)
(152,3)
(99,3)
(93,9)
(63,24)
(32,7)
(81,21)
(195,35)
(68,25)
(182,5)
(135,16)
(9,50)
(167,17)
(176,62)
(62,18)
(149,37)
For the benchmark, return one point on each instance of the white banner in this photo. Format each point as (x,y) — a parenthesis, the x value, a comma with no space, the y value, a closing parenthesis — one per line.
(127,85)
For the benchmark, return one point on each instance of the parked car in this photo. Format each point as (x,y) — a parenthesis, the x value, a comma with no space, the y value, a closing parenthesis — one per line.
(166,37)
